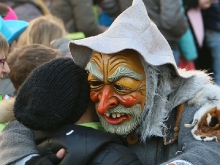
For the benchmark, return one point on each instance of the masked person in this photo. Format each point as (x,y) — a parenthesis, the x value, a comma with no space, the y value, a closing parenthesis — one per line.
(141,95)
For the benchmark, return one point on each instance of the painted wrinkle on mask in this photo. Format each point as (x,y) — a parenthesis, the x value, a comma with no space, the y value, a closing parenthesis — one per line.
(126,89)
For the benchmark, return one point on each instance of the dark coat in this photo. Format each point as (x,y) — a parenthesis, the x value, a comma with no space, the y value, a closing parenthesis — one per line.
(211,17)
(167,15)
(190,4)
(77,15)
(86,146)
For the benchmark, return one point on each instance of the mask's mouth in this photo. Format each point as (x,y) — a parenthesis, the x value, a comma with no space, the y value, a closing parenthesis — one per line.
(116,118)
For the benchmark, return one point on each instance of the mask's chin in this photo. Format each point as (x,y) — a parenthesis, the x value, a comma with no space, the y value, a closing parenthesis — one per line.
(121,120)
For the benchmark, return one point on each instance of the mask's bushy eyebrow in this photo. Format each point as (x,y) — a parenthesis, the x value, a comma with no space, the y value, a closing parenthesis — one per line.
(91,67)
(123,71)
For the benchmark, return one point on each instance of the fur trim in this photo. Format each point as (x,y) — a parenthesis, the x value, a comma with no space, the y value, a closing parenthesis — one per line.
(209,94)
(6,110)
(166,90)
(206,123)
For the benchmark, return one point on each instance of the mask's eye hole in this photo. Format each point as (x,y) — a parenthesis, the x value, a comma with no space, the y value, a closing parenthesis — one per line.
(96,84)
(122,89)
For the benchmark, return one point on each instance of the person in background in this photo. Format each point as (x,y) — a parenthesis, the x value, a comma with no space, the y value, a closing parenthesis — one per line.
(211,17)
(4,68)
(7,12)
(77,15)
(194,17)
(114,7)
(27,9)
(202,4)
(3,10)
(168,17)
(109,10)
(11,30)
(187,47)
(42,30)
(62,45)
(21,63)
(27,58)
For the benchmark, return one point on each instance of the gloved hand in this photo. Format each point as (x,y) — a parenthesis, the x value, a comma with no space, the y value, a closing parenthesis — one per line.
(44,160)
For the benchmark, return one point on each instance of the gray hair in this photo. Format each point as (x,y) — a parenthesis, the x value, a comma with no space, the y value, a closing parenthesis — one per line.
(162,81)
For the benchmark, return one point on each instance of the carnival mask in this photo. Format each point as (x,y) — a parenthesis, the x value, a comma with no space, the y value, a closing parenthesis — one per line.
(118,86)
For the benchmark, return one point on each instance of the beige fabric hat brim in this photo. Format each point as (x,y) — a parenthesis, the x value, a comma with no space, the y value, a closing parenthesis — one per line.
(132,29)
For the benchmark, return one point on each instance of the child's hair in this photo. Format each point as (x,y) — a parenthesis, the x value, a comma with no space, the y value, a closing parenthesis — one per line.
(23,60)
(42,30)
(3,44)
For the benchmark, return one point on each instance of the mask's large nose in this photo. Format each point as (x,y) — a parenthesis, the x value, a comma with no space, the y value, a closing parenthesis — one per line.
(107,100)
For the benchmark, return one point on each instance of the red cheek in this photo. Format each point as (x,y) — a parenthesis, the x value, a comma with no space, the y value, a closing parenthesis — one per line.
(132,99)
(126,100)
(94,96)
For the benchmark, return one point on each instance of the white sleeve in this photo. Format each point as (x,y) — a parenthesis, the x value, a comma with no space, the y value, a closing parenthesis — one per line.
(25,159)
(180,162)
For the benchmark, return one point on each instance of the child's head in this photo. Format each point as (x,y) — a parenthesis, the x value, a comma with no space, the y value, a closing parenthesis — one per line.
(42,30)
(4,69)
(25,59)
(54,94)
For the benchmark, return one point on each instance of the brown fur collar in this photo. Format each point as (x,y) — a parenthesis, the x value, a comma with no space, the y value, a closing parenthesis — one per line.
(206,123)
(6,110)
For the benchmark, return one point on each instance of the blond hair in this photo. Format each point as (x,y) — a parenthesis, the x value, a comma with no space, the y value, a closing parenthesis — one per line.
(42,30)
(3,45)
(43,7)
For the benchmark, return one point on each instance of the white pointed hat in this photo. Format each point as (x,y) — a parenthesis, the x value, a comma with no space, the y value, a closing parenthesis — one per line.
(132,29)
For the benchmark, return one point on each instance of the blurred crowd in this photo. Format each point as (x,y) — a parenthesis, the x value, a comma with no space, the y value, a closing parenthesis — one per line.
(38,31)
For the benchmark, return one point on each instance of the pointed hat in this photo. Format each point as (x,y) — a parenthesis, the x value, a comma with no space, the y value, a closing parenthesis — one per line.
(132,29)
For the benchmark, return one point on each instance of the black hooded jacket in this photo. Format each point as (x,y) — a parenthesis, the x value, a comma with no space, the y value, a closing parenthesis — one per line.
(85,146)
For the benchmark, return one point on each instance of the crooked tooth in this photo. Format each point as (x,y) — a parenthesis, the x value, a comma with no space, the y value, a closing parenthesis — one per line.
(107,114)
(122,114)
(118,115)
(113,115)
